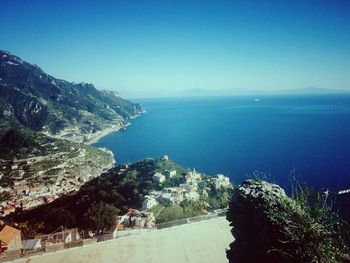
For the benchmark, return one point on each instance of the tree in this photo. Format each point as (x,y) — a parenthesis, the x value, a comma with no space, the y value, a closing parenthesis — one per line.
(100,216)
(170,213)
(202,185)
(219,198)
(57,217)
(31,230)
(192,208)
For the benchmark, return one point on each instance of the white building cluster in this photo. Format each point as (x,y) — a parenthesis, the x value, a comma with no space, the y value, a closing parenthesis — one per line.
(189,190)
(221,181)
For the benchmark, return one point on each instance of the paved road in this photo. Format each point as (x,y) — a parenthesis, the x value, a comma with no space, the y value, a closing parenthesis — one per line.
(197,242)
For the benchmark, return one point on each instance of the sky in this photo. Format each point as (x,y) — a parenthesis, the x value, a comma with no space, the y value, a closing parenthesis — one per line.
(183,48)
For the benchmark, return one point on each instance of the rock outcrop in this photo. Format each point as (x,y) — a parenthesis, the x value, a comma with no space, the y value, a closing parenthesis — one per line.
(268,226)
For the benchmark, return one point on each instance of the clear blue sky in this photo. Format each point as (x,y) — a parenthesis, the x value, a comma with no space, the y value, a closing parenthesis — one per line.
(176,48)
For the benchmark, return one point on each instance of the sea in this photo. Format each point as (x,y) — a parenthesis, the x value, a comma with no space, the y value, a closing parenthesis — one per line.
(286,140)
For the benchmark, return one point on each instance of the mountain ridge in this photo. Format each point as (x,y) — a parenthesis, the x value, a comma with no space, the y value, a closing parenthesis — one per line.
(61,109)
(45,123)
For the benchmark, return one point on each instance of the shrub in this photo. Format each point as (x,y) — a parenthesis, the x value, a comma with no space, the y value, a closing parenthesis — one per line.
(100,216)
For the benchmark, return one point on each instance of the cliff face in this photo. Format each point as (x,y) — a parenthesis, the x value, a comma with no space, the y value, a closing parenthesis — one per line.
(268,226)
(252,226)
(59,108)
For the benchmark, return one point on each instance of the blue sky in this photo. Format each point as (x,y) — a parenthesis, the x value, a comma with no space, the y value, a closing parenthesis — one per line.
(179,48)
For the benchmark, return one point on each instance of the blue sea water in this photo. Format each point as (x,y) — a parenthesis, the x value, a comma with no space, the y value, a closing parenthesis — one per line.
(309,135)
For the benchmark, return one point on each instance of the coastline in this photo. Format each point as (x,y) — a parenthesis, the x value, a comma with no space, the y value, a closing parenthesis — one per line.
(114,128)
(98,135)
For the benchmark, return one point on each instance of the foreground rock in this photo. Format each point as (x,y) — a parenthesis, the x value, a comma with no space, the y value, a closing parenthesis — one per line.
(268,226)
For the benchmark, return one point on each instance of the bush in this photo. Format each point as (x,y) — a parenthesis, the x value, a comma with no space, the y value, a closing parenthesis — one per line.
(100,217)
(186,209)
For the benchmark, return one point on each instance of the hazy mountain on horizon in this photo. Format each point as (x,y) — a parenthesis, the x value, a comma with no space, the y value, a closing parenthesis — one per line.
(255,92)
(312,90)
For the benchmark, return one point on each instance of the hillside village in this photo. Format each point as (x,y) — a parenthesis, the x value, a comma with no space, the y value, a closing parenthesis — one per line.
(42,179)
(50,179)
(189,190)
(45,124)
(174,185)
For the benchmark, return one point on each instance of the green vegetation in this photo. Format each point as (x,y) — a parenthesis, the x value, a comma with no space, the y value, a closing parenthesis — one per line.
(19,144)
(52,171)
(120,188)
(36,100)
(317,235)
(219,198)
(16,141)
(100,217)
(59,216)
(149,166)
(45,164)
(270,227)
(184,210)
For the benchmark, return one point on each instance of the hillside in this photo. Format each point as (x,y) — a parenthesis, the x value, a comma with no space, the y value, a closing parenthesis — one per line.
(45,124)
(36,169)
(77,112)
(127,186)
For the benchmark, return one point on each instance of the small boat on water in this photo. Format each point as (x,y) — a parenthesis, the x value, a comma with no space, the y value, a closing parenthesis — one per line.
(256,100)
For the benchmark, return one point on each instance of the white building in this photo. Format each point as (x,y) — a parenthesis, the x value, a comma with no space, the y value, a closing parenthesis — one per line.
(32,244)
(159,177)
(193,176)
(167,199)
(191,181)
(221,181)
(149,202)
(171,196)
(193,196)
(171,173)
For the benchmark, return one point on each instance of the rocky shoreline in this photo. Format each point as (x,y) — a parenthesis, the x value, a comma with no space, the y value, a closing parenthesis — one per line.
(95,137)
(100,134)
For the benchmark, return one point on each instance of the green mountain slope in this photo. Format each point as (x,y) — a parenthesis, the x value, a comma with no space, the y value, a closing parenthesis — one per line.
(59,108)
(123,187)
(43,166)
